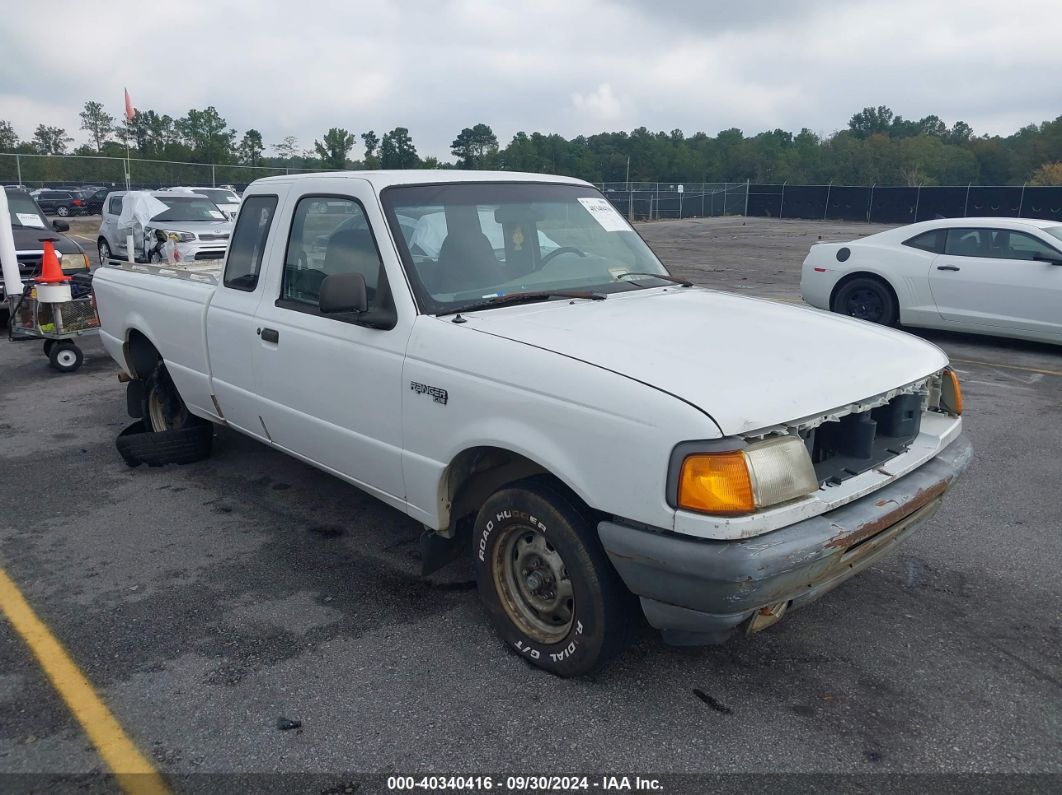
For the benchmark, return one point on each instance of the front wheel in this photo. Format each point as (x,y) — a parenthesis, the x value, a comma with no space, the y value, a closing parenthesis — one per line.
(545,581)
(866,298)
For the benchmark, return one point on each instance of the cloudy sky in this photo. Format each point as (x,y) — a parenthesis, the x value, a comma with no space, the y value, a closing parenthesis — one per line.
(567,66)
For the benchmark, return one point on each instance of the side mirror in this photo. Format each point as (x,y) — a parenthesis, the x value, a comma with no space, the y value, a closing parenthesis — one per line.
(1048,258)
(343,292)
(60,226)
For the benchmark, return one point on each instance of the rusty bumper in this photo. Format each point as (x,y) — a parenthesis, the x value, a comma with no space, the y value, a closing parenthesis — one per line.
(699,591)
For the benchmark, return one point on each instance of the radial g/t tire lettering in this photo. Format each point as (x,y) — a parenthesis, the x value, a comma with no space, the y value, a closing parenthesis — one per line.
(545,581)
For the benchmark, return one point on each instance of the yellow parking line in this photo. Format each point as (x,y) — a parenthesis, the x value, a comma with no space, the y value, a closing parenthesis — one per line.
(1039,370)
(135,774)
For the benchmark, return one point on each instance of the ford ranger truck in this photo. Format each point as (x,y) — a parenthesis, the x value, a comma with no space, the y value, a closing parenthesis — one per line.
(503,358)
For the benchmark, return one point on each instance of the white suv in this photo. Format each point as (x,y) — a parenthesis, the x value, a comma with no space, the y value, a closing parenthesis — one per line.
(197,227)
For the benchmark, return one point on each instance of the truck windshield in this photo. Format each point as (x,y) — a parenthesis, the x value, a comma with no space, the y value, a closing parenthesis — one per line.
(470,241)
(24,211)
(219,196)
(188,208)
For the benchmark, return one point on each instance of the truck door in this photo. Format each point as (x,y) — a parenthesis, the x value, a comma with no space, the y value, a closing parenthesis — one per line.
(231,323)
(331,388)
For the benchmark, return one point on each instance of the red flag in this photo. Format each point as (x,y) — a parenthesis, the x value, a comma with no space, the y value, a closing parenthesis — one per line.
(130,111)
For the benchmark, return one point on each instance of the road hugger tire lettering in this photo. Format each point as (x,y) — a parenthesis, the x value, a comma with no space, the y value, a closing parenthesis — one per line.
(545,581)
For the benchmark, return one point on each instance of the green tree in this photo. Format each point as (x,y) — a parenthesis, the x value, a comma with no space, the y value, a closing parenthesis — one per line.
(372,143)
(251,147)
(50,140)
(397,150)
(207,134)
(475,147)
(97,122)
(333,150)
(1047,174)
(288,149)
(8,137)
(870,121)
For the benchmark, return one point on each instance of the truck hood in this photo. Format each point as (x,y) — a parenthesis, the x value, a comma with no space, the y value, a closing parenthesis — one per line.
(747,363)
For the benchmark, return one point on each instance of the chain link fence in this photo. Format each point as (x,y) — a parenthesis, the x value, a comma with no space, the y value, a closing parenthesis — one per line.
(655,200)
(635,200)
(53,171)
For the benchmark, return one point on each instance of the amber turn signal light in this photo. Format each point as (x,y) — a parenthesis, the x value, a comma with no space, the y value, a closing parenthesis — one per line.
(951,392)
(716,483)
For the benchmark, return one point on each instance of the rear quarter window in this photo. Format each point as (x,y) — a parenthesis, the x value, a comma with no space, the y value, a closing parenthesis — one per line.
(932,241)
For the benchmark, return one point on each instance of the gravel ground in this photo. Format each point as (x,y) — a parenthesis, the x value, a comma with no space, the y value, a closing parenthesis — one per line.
(206,601)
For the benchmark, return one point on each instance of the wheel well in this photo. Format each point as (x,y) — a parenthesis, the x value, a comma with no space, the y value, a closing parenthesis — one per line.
(140,354)
(476,473)
(864,275)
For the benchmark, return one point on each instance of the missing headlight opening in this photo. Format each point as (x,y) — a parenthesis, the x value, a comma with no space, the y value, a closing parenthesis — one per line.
(860,441)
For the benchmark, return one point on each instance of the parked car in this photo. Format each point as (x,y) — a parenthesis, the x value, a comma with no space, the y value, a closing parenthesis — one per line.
(580,422)
(61,202)
(200,230)
(29,225)
(94,201)
(996,276)
(224,198)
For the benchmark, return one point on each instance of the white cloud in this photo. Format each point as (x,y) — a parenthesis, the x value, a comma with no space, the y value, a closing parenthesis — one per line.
(566,66)
(601,106)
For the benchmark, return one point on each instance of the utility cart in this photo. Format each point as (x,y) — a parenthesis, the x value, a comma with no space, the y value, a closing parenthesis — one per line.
(58,324)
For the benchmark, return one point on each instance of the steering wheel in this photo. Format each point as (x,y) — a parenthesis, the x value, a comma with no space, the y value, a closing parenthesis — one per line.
(559,251)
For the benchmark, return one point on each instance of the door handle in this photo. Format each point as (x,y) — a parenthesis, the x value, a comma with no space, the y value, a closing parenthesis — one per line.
(947,267)
(269,335)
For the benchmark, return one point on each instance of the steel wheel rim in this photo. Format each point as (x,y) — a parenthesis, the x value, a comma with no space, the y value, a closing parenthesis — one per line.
(65,357)
(160,415)
(63,212)
(533,584)
(866,304)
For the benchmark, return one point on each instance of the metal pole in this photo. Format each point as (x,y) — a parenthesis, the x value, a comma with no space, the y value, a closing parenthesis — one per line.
(966,206)
(870,207)
(1021,201)
(918,197)
(781,205)
(826,209)
(630,202)
(18,165)
(213,180)
(747,183)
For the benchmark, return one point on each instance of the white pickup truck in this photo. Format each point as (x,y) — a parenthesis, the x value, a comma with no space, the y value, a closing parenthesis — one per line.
(503,358)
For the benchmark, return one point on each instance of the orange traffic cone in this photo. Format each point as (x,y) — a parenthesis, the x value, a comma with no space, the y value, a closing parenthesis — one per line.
(51,272)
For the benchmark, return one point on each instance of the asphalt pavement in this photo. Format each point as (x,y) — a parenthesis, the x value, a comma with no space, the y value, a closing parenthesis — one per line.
(206,601)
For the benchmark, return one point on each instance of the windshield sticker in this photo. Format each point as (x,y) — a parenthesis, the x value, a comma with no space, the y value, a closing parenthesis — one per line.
(605,214)
(217,214)
(30,219)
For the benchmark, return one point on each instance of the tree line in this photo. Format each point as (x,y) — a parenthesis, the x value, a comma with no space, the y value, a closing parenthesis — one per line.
(877,147)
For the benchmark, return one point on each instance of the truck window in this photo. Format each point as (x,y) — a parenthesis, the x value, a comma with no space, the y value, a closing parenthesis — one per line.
(249,242)
(329,235)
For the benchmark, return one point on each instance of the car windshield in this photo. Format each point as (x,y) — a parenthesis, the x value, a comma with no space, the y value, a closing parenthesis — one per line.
(219,196)
(188,208)
(467,242)
(23,210)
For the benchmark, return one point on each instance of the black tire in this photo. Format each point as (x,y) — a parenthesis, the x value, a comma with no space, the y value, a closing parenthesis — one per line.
(560,547)
(866,298)
(49,345)
(137,445)
(103,248)
(65,357)
(162,407)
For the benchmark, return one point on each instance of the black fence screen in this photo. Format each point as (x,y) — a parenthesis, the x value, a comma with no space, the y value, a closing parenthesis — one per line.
(902,205)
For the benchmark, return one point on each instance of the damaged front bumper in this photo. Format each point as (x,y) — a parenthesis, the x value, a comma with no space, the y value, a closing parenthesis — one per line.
(700,591)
